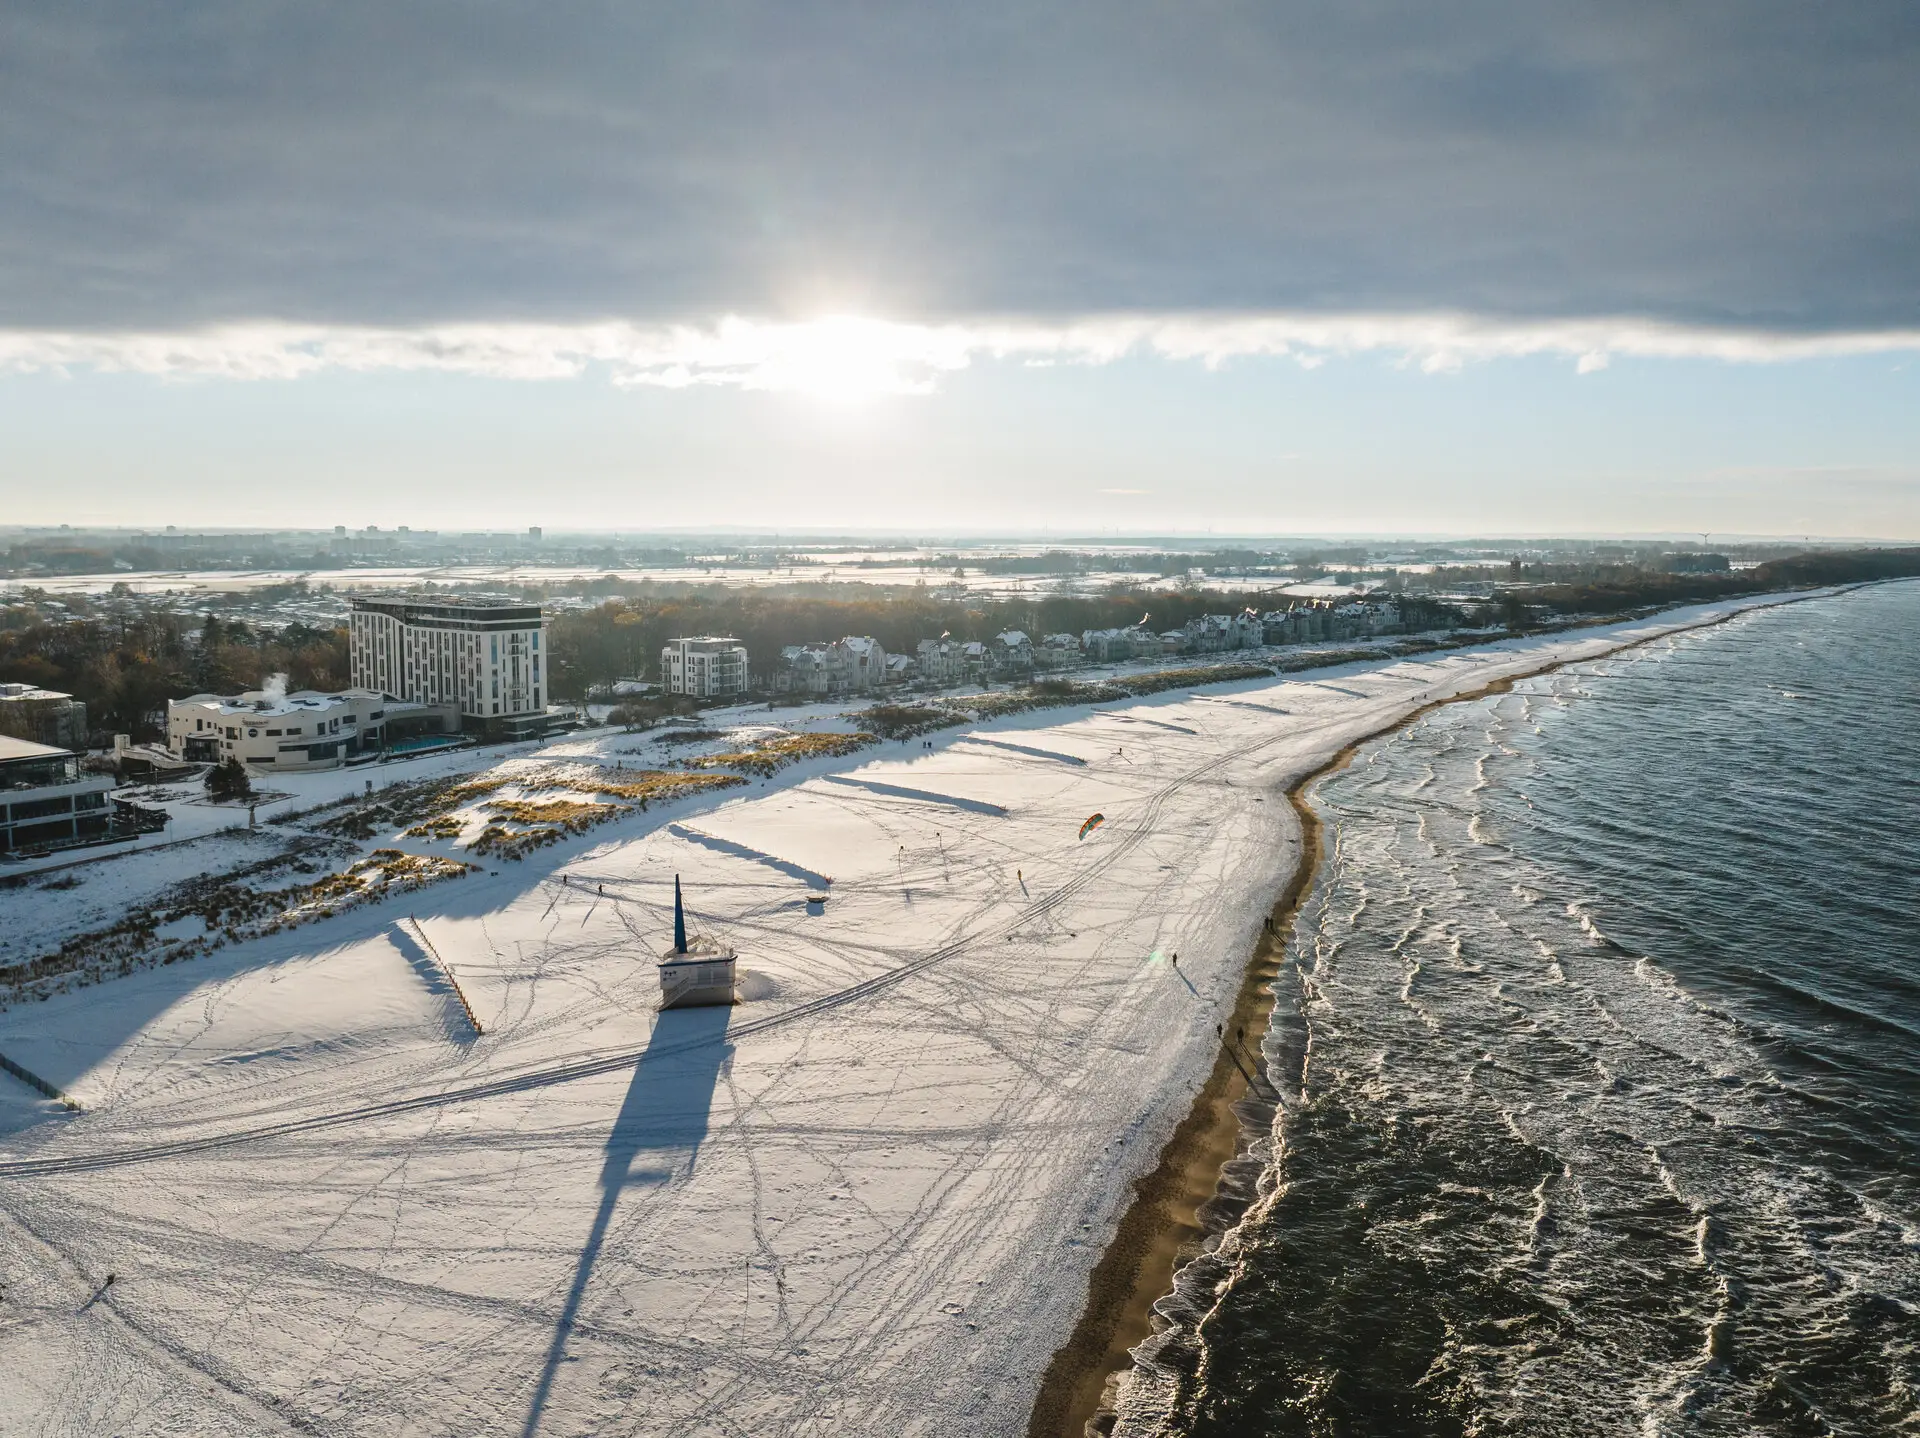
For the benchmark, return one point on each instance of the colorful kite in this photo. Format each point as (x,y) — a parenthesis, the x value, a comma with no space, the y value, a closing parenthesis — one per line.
(1093,823)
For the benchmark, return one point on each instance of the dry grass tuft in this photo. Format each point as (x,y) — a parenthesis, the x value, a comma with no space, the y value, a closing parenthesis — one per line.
(567,814)
(772,755)
(652,785)
(546,821)
(224,909)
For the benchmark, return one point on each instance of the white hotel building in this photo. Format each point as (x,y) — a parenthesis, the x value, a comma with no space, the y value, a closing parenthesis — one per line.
(487,657)
(307,730)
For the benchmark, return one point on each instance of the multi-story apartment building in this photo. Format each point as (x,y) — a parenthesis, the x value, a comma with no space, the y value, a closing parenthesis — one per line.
(1012,653)
(940,660)
(44,716)
(488,657)
(706,667)
(852,665)
(1056,651)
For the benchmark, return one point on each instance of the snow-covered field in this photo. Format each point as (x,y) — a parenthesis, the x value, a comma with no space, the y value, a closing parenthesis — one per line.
(864,1201)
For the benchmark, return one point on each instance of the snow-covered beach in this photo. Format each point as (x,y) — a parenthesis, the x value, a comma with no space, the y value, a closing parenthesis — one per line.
(866,1200)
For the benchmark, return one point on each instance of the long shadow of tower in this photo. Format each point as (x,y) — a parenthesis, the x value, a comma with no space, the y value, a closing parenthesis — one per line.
(663,1120)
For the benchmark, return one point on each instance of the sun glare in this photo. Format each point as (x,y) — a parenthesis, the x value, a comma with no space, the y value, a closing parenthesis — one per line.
(847,360)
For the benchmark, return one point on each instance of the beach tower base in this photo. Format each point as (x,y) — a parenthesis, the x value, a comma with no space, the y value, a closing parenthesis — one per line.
(694,974)
(697,977)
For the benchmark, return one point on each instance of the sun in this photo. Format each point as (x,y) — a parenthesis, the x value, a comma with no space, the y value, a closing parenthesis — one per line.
(847,360)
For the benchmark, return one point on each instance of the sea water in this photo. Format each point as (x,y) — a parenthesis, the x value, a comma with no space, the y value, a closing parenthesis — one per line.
(1599,1052)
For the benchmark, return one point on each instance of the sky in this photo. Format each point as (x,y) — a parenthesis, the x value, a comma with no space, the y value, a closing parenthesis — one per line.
(1281,267)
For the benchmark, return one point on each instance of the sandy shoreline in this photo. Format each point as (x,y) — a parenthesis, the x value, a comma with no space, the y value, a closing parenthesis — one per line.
(1160,1230)
(1165,1226)
(1167,1223)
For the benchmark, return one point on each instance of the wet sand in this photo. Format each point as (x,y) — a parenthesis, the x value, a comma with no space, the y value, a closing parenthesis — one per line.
(1162,1229)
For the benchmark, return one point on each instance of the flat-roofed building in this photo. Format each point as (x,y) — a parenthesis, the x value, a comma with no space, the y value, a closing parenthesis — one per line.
(707,667)
(306,730)
(46,802)
(487,658)
(44,716)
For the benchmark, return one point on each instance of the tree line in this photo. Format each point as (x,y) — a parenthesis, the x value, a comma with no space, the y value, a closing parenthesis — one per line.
(1622,588)
(127,665)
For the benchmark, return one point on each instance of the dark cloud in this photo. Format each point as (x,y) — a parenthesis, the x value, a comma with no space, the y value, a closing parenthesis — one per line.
(401,163)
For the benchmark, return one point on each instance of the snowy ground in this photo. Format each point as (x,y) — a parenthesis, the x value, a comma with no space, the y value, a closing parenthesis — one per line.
(864,1201)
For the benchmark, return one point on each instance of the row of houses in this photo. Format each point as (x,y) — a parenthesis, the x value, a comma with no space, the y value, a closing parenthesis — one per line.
(711,667)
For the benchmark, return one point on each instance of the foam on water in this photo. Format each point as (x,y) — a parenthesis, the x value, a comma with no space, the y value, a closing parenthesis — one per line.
(1600,1042)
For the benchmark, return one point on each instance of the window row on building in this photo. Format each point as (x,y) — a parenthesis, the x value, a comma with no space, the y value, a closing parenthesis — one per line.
(485,658)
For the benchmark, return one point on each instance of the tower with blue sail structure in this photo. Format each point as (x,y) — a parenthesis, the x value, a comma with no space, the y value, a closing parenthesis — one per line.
(695,972)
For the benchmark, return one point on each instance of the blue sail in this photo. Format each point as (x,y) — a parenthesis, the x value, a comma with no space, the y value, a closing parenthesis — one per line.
(679,919)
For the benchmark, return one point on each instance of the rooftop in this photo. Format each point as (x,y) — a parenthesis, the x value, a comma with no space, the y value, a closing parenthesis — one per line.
(11,748)
(484,602)
(699,950)
(260,703)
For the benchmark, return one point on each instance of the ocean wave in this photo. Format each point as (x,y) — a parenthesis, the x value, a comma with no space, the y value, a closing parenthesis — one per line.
(1611,1128)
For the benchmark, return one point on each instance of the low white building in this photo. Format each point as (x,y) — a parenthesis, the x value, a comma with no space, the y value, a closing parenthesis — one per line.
(308,730)
(707,667)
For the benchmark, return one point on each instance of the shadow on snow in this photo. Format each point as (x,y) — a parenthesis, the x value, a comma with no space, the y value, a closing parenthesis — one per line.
(662,1121)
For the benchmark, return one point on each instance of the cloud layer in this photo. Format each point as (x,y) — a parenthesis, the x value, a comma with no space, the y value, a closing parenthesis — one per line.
(526,189)
(861,357)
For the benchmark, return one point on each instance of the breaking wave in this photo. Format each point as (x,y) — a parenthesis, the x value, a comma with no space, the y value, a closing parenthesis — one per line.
(1599,1050)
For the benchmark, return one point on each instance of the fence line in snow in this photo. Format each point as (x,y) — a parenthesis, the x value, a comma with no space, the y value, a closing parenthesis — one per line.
(446,969)
(34,1081)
